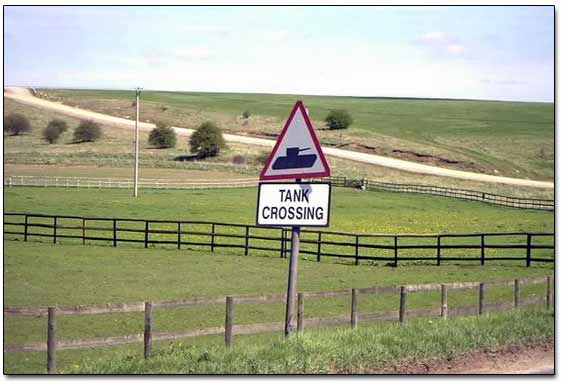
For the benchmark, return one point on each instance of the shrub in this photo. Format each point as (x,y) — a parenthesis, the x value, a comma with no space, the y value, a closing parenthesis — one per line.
(164,108)
(87,131)
(54,129)
(239,160)
(245,114)
(262,158)
(16,124)
(339,119)
(207,140)
(162,136)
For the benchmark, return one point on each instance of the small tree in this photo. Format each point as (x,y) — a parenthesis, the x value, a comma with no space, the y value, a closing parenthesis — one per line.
(207,140)
(87,131)
(162,136)
(16,124)
(54,129)
(338,119)
(246,114)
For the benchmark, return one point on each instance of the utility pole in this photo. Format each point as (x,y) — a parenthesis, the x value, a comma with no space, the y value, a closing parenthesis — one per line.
(136,181)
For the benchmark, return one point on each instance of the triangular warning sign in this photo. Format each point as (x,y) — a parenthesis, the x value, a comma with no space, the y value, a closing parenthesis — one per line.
(297,153)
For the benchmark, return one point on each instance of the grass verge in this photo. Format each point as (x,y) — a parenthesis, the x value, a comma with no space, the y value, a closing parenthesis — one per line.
(368,349)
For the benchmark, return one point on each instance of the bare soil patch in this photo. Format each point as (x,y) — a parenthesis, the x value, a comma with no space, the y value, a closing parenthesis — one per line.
(536,358)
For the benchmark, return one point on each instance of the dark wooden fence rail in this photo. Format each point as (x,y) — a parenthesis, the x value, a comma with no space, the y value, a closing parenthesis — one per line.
(472,195)
(390,248)
(230,329)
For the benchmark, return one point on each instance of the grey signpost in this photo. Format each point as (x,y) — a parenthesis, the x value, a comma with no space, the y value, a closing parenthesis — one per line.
(297,154)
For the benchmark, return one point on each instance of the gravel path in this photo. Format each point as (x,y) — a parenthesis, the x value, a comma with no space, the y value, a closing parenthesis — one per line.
(24,96)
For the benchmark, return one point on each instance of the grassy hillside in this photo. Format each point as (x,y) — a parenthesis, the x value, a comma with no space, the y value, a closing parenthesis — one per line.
(506,138)
(112,156)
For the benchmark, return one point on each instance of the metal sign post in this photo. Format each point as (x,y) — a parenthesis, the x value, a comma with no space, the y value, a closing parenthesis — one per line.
(297,154)
(292,276)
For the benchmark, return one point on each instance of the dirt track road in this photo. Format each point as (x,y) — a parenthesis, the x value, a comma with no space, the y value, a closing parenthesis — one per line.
(24,96)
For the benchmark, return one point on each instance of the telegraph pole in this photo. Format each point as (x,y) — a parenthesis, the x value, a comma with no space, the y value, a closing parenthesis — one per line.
(136,181)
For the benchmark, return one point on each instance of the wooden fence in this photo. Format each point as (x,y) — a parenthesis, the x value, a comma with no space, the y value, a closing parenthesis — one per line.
(91,182)
(471,195)
(230,329)
(390,248)
(126,183)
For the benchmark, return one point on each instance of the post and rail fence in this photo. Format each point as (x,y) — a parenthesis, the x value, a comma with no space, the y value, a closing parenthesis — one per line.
(525,247)
(339,181)
(230,329)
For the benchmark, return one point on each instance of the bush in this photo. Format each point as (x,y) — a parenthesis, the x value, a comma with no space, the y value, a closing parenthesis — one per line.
(239,160)
(16,124)
(87,131)
(245,114)
(54,129)
(339,119)
(207,140)
(162,136)
(262,158)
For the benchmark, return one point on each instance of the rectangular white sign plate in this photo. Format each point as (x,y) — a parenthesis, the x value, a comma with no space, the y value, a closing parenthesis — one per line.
(293,204)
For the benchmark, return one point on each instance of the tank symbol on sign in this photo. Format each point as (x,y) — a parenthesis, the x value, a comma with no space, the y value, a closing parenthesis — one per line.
(293,160)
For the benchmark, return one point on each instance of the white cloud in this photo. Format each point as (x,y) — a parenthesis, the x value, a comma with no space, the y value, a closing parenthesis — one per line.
(440,42)
(455,49)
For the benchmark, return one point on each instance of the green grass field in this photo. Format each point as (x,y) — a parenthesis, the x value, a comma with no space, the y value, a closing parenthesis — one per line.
(39,274)
(352,210)
(506,138)
(387,348)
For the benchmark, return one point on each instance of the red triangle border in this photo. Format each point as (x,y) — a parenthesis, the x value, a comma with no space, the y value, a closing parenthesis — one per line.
(326,173)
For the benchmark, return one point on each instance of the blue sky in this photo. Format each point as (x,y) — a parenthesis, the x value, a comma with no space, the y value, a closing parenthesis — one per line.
(502,53)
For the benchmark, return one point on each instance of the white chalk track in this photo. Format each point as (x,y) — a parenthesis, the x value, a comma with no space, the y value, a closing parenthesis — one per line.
(24,96)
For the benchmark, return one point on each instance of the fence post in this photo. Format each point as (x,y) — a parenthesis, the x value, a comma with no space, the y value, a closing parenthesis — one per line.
(444,302)
(548,292)
(179,235)
(114,232)
(356,250)
(319,242)
(246,240)
(516,292)
(396,254)
(55,229)
(212,237)
(300,311)
(402,304)
(83,231)
(482,249)
(438,252)
(146,234)
(354,309)
(282,243)
(25,228)
(229,322)
(51,340)
(481,297)
(528,249)
(148,329)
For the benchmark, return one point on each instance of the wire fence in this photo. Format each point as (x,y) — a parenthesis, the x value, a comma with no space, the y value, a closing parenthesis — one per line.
(363,183)
(392,249)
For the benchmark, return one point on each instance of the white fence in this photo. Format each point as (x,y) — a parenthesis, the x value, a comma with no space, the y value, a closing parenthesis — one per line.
(126,183)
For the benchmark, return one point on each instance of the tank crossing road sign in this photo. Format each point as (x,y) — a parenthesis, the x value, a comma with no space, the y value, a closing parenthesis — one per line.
(297,152)
(293,204)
